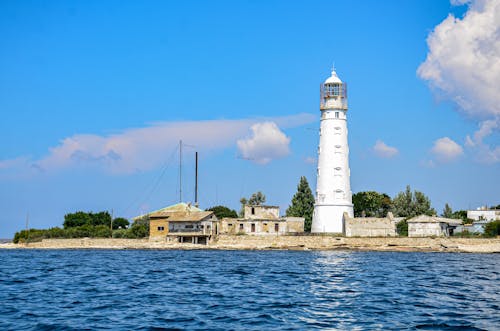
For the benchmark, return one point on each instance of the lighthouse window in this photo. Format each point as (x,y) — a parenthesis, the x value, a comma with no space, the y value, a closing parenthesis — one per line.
(336,114)
(336,90)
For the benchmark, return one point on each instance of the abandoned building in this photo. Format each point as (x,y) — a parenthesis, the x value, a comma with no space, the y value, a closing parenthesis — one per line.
(428,226)
(182,223)
(369,226)
(262,220)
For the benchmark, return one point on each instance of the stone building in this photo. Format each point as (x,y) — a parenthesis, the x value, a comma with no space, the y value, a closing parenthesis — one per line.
(428,226)
(261,220)
(199,227)
(181,223)
(369,226)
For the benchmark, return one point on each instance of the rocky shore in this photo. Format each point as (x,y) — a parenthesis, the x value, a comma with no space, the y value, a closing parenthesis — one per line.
(398,244)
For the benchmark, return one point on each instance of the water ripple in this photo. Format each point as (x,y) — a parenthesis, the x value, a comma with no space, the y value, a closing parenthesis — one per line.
(247,290)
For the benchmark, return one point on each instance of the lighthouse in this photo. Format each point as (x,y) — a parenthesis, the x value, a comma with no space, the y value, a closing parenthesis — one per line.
(333,189)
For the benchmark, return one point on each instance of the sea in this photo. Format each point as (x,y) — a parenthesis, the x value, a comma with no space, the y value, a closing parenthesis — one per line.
(247,290)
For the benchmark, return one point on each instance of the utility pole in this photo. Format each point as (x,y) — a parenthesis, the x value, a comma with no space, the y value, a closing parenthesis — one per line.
(180,170)
(27,228)
(111,224)
(196,181)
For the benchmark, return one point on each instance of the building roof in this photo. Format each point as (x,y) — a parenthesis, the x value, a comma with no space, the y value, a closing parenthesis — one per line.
(180,216)
(434,219)
(333,78)
(179,207)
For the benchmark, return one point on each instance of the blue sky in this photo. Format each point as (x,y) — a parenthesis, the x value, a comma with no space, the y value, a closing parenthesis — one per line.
(94,97)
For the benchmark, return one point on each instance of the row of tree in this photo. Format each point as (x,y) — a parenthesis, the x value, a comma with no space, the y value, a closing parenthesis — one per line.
(81,218)
(87,224)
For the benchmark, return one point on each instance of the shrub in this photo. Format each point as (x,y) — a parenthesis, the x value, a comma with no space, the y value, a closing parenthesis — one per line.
(492,229)
(120,233)
(139,231)
(402,228)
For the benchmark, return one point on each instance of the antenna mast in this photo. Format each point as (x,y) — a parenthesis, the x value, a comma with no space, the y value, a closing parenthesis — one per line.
(180,170)
(196,180)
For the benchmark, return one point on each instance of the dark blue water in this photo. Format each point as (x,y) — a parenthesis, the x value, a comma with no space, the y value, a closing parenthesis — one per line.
(247,290)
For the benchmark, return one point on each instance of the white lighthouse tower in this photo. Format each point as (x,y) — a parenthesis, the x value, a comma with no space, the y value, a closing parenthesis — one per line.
(333,190)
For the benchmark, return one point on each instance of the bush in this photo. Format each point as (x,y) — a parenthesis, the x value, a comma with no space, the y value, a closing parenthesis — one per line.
(138,231)
(120,233)
(492,229)
(402,228)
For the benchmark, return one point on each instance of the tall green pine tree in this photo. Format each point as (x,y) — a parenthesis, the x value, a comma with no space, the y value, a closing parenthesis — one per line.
(302,204)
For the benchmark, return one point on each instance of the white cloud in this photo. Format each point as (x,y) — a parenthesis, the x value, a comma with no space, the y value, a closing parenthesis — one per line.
(12,163)
(266,143)
(141,149)
(382,150)
(463,65)
(464,59)
(446,150)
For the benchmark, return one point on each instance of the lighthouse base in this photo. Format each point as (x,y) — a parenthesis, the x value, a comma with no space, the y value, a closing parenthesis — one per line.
(330,218)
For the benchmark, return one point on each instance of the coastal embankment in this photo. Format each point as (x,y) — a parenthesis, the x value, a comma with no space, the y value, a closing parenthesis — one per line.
(248,242)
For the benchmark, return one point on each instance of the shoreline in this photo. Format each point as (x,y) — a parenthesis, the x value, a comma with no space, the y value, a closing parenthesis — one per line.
(295,243)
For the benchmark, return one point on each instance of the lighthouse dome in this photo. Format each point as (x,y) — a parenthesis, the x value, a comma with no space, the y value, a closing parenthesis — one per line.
(333,78)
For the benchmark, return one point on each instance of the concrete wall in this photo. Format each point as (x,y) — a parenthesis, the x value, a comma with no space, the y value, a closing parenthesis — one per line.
(261,212)
(368,227)
(294,224)
(426,229)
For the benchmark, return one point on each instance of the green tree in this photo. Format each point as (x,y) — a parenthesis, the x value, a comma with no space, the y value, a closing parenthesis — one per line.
(408,204)
(258,198)
(243,202)
(402,228)
(302,204)
(371,204)
(223,212)
(120,223)
(462,214)
(79,218)
(492,229)
(138,230)
(447,211)
(100,218)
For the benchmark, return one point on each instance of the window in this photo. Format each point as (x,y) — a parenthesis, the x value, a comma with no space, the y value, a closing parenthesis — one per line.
(241,226)
(189,226)
(336,90)
(253,227)
(229,224)
(336,114)
(253,211)
(161,228)
(276,227)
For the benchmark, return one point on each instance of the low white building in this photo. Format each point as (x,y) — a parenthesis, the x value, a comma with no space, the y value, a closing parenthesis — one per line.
(484,214)
(429,226)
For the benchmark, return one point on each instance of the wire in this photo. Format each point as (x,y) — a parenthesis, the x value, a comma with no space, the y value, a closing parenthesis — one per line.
(165,166)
